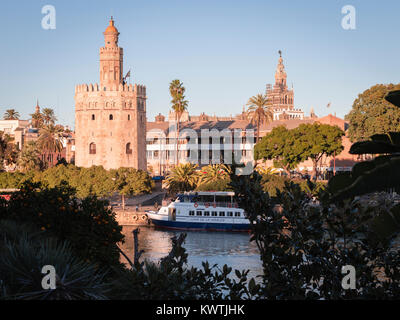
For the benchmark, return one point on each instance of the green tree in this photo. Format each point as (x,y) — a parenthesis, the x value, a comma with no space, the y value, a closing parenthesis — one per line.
(259,111)
(37,119)
(282,146)
(380,174)
(49,118)
(8,150)
(182,178)
(29,158)
(179,105)
(129,181)
(93,181)
(11,114)
(213,173)
(318,140)
(372,114)
(50,140)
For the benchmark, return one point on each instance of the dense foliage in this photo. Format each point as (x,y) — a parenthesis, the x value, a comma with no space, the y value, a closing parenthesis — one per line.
(8,150)
(308,141)
(87,224)
(372,114)
(86,181)
(281,145)
(380,174)
(304,247)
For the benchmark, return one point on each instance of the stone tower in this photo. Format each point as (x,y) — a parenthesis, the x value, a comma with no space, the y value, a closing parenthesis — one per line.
(280,96)
(110,118)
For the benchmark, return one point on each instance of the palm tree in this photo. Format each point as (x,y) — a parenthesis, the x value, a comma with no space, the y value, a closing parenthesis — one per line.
(11,114)
(259,111)
(30,157)
(49,116)
(8,150)
(37,119)
(182,178)
(50,138)
(213,173)
(179,105)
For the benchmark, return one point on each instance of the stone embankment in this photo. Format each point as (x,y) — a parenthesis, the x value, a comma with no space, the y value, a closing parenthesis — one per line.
(129,217)
(135,209)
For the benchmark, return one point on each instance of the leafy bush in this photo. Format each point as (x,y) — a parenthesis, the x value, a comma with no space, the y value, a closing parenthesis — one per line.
(87,224)
(220,185)
(273,183)
(25,250)
(303,247)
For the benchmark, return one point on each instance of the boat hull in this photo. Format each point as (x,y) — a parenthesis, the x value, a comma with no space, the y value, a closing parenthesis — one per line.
(201,226)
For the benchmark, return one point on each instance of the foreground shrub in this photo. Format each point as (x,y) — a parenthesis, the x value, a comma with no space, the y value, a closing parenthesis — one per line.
(303,247)
(87,224)
(25,250)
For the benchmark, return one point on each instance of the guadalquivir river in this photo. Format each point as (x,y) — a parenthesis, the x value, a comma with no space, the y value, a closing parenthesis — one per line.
(233,249)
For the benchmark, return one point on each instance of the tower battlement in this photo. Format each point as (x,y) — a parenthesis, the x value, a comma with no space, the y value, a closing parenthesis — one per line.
(137,89)
(111,49)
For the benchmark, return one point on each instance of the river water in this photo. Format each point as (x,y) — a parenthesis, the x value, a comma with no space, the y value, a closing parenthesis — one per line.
(233,249)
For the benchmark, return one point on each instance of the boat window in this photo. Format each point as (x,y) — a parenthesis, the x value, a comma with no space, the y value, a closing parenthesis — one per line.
(214,213)
(191,213)
(222,214)
(199,213)
(237,214)
(206,213)
(230,214)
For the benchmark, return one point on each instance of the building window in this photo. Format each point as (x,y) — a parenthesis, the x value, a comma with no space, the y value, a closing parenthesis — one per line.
(128,148)
(129,117)
(92,148)
(111,117)
(93,117)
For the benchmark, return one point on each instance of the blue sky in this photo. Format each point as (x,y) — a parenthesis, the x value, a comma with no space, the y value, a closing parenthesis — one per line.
(223,51)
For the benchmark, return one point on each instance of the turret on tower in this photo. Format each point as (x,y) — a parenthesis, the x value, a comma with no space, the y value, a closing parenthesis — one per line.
(111,58)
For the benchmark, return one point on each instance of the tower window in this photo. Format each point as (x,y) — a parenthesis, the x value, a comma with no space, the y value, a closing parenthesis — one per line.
(111,117)
(93,117)
(92,148)
(128,148)
(129,117)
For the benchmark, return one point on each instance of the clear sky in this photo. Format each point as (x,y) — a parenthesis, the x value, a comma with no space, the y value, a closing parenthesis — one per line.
(224,51)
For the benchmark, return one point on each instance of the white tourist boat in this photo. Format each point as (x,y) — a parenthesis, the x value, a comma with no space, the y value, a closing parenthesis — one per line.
(201,211)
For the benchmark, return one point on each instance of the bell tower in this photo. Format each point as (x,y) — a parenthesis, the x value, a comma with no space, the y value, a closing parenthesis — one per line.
(280,74)
(111,58)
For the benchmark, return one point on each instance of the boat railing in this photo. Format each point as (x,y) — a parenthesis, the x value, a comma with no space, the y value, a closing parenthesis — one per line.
(215,204)
(210,204)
